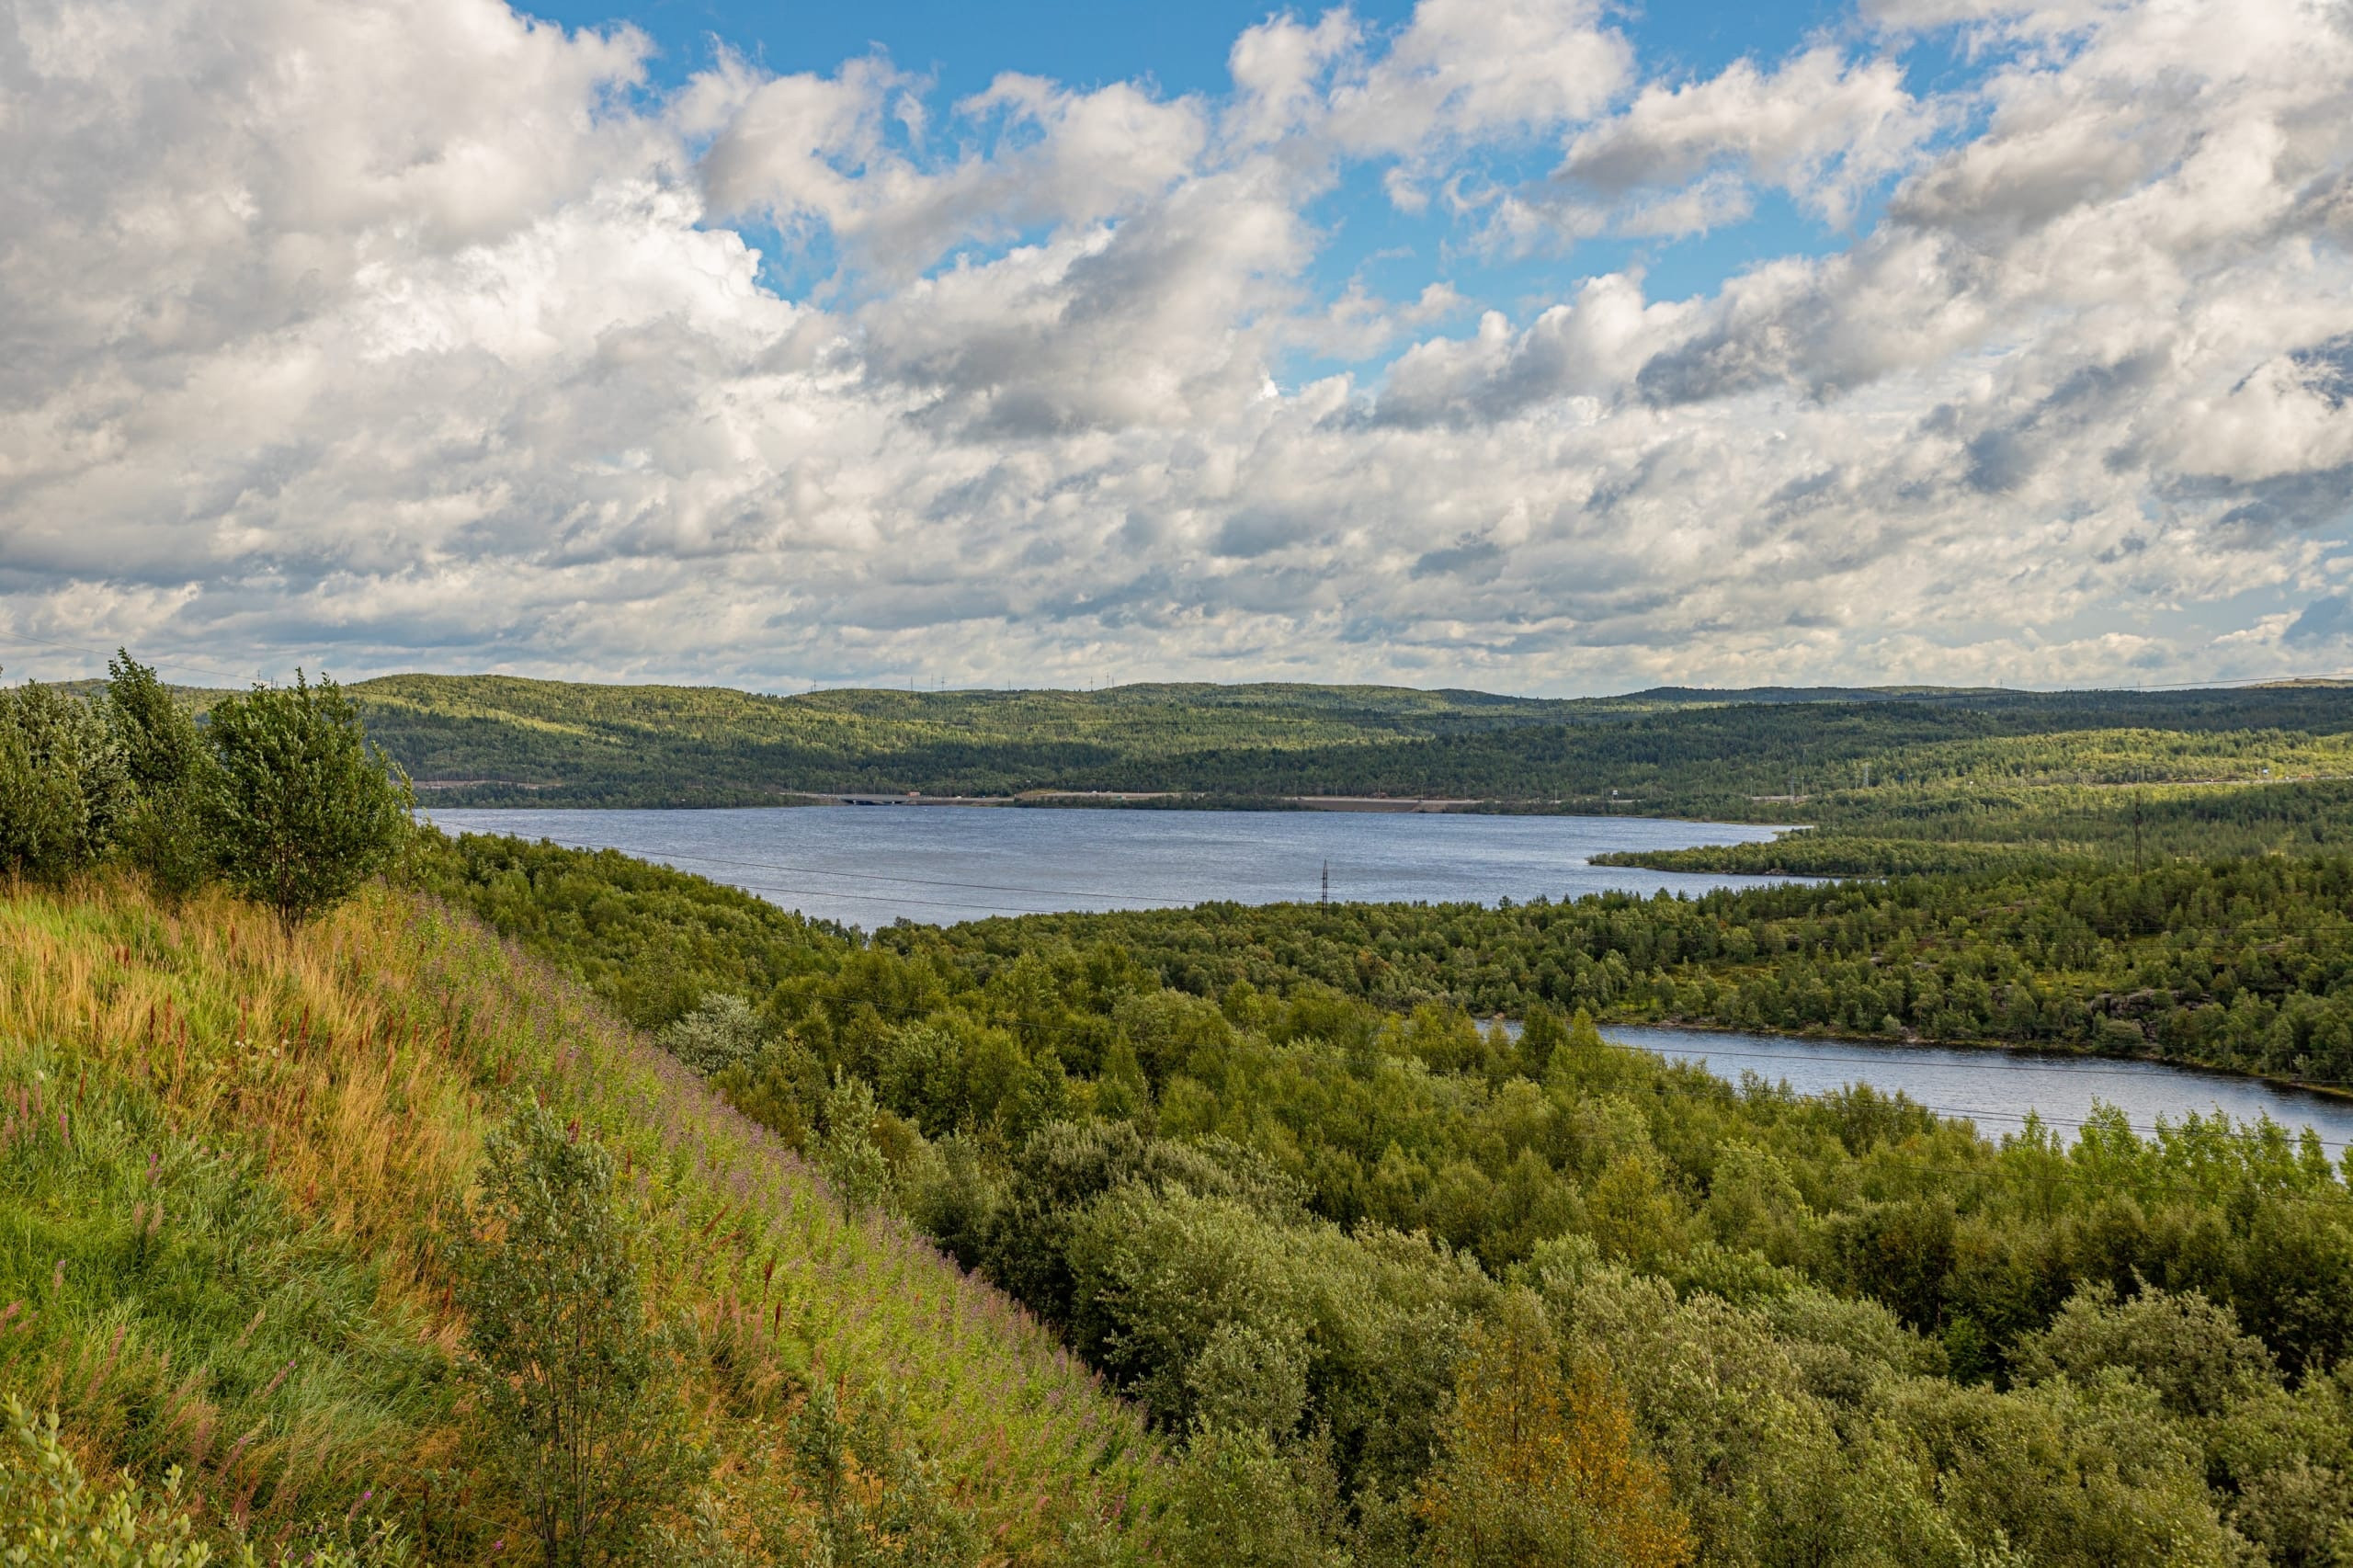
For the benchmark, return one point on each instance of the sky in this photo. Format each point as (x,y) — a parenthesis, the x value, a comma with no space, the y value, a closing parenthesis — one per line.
(1534,346)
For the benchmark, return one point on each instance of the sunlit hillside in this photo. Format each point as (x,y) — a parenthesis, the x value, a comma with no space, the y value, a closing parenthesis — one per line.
(232,1167)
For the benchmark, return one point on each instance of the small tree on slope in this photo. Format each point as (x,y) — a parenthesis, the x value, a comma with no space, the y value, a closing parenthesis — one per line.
(581,1425)
(306,810)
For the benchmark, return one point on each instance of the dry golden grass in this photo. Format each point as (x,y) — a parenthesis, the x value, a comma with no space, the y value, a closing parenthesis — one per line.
(310,1106)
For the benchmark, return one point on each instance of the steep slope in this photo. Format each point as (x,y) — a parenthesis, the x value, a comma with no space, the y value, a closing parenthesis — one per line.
(231,1160)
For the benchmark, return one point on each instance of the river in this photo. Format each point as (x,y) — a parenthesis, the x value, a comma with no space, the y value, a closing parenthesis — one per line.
(868,866)
(1996,1088)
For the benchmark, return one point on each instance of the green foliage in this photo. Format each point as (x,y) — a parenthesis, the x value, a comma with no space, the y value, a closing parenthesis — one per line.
(575,1391)
(64,787)
(1243,1499)
(2240,964)
(723,1033)
(1281,1210)
(279,792)
(854,1164)
(306,809)
(494,740)
(174,773)
(163,749)
(652,941)
(52,1517)
(2187,1348)
(878,1502)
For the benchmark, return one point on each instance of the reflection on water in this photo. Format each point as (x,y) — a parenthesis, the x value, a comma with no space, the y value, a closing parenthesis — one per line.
(1996,1089)
(867,865)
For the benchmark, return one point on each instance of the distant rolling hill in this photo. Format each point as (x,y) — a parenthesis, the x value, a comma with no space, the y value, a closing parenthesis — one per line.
(492,739)
(484,740)
(499,740)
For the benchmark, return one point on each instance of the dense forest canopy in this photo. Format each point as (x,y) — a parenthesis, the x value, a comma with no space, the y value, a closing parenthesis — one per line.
(492,740)
(1374,1284)
(1262,1170)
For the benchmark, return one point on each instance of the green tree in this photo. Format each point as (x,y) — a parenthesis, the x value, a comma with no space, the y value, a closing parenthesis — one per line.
(173,774)
(2185,1347)
(854,1165)
(716,1036)
(1241,1500)
(582,1421)
(876,1501)
(307,808)
(64,787)
(1542,1471)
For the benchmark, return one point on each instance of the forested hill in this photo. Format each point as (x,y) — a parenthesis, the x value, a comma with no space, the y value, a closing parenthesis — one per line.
(497,740)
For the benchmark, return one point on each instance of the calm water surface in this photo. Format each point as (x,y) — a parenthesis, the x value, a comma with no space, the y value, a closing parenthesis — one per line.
(1996,1089)
(868,866)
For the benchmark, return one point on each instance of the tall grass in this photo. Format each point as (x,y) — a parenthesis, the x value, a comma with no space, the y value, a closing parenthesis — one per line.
(230,1158)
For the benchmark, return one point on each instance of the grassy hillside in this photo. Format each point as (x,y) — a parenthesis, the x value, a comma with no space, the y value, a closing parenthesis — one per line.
(1379,1270)
(231,1161)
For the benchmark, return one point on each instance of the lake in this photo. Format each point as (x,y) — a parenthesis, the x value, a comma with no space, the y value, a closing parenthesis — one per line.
(1996,1088)
(868,866)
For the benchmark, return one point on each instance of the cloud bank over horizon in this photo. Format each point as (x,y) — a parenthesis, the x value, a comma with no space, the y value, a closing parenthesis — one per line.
(427,336)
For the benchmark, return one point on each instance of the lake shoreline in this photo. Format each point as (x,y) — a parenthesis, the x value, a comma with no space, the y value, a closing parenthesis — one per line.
(458,795)
(2335,1094)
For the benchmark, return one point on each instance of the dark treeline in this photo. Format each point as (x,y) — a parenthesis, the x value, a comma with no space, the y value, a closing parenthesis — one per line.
(2243,964)
(482,740)
(1374,1263)
(1732,759)
(500,740)
(1911,829)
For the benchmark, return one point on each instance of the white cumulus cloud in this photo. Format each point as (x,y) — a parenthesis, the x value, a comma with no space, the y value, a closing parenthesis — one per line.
(423,336)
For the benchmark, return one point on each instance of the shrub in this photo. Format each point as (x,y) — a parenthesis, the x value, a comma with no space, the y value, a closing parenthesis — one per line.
(878,1502)
(854,1166)
(2184,1346)
(1244,1501)
(716,1036)
(174,776)
(64,786)
(50,1516)
(307,808)
(1542,1470)
(571,1383)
